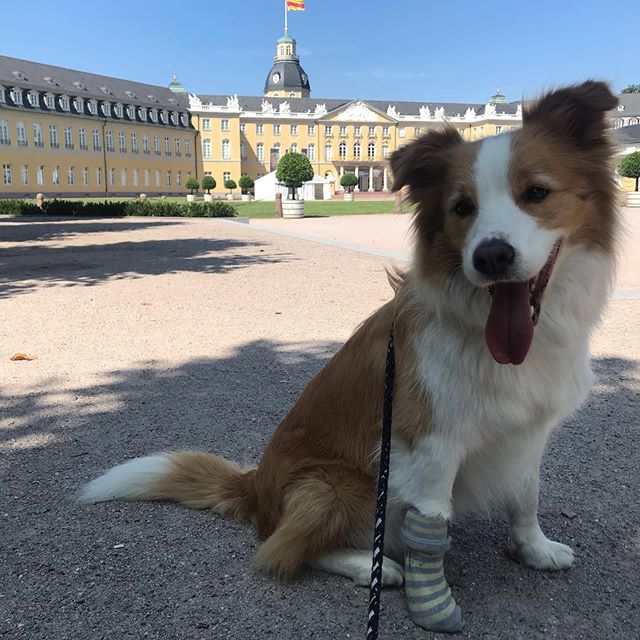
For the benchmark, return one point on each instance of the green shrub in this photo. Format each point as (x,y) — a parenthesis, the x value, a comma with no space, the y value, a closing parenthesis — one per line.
(230,184)
(245,183)
(119,208)
(293,170)
(630,167)
(348,181)
(208,183)
(192,184)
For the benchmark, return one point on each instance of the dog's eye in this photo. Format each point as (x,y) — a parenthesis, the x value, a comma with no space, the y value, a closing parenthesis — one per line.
(536,194)
(464,207)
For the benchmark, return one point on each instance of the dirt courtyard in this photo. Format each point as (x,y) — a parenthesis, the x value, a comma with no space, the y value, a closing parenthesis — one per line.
(162,334)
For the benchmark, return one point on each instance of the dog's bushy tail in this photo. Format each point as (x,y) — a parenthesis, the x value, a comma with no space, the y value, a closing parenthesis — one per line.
(196,479)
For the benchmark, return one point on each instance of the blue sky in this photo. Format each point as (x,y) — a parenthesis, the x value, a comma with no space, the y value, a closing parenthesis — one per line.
(401,49)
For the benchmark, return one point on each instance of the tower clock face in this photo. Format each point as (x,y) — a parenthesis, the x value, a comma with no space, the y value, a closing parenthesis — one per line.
(276,78)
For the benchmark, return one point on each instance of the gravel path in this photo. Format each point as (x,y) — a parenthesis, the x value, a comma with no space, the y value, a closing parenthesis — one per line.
(165,334)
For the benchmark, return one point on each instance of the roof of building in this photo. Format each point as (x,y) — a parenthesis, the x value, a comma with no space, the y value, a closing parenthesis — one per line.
(631,104)
(176,86)
(286,39)
(291,77)
(498,98)
(627,135)
(59,80)
(302,105)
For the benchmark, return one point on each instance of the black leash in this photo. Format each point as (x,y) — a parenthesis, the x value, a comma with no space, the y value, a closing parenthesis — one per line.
(381,504)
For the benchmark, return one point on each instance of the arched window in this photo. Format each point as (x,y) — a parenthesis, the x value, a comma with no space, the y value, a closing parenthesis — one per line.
(356,151)
(633,121)
(371,150)
(342,150)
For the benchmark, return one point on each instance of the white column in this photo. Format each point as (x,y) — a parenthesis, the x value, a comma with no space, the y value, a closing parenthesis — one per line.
(339,186)
(371,178)
(385,187)
(357,187)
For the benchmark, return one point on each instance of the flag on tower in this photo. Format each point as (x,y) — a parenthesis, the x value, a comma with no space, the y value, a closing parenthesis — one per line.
(295,5)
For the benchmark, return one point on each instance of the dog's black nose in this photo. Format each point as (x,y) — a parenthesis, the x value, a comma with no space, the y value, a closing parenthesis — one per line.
(493,257)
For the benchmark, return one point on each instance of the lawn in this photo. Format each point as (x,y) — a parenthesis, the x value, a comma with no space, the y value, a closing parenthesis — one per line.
(319,208)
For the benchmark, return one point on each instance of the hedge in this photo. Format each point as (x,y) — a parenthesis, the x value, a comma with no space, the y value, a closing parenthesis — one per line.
(216,209)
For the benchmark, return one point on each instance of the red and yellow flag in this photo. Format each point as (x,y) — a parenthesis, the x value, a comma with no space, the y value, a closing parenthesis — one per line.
(295,5)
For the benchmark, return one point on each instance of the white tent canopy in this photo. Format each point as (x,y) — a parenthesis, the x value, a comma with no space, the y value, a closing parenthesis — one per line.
(318,188)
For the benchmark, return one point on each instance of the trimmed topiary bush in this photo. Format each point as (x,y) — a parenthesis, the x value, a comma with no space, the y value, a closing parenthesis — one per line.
(245,183)
(208,183)
(630,167)
(349,181)
(294,169)
(230,184)
(192,184)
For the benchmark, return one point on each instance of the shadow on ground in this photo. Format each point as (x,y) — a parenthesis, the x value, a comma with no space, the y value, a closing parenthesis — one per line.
(186,574)
(25,266)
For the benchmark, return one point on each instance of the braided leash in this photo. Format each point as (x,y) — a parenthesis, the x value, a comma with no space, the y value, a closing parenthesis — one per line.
(381,504)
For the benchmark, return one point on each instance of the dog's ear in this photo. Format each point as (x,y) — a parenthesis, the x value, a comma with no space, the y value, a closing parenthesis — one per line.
(577,111)
(422,164)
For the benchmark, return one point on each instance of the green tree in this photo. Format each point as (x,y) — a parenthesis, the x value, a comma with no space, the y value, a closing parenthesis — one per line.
(349,181)
(245,183)
(208,183)
(230,184)
(294,169)
(632,88)
(630,167)
(192,184)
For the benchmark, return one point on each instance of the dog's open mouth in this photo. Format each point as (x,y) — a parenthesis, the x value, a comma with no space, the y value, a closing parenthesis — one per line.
(515,308)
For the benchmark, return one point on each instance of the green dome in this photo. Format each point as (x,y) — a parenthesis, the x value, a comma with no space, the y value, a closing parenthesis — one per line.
(286,39)
(175,86)
(498,98)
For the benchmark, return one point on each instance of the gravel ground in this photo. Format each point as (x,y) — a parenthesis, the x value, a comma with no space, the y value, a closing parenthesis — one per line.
(165,334)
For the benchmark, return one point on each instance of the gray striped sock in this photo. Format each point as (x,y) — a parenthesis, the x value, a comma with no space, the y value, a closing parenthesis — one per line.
(429,598)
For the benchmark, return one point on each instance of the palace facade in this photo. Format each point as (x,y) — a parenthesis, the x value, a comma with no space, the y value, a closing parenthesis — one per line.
(71,133)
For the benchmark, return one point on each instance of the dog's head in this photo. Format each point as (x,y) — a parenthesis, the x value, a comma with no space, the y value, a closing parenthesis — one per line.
(498,210)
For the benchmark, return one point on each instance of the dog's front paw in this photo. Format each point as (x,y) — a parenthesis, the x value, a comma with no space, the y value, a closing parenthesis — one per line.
(392,575)
(543,554)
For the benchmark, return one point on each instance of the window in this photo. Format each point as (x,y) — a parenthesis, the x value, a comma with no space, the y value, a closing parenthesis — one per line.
(206,149)
(417,131)
(142,114)
(95,135)
(371,151)
(85,176)
(49,101)
(32,96)
(122,142)
(167,146)
(498,129)
(275,152)
(372,131)
(311,130)
(342,150)
(401,132)
(294,147)
(78,104)
(123,177)
(226,176)
(163,117)
(158,182)
(168,177)
(53,135)
(276,129)
(4,132)
(385,150)
(156,146)
(356,130)
(260,151)
(16,96)
(328,153)
(25,174)
(294,129)
(93,107)
(118,110)
(385,131)
(55,175)
(40,175)
(343,130)
(99,177)
(112,177)
(68,138)
(259,129)
(106,109)
(38,140)
(136,177)
(147,178)
(224,124)
(153,114)
(311,152)
(145,145)
(109,140)
(178,178)
(243,151)
(21,134)
(226,150)
(3,95)
(134,143)
(71,176)
(178,148)
(131,114)
(206,124)
(243,128)
(6,174)
(64,103)
(187,148)
(356,151)
(82,139)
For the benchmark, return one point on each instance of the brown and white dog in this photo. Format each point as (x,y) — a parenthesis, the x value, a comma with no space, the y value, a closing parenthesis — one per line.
(495,219)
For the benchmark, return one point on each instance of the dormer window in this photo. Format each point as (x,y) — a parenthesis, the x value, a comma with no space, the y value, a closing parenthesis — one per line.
(93,107)
(16,96)
(51,81)
(152,98)
(79,85)
(106,109)
(130,94)
(142,113)
(78,104)
(3,95)
(49,101)
(153,114)
(19,75)
(64,103)
(118,110)
(163,117)
(106,90)
(33,98)
(174,118)
(183,119)
(620,107)
(131,112)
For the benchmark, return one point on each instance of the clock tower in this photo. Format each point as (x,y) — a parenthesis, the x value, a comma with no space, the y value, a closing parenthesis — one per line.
(287,79)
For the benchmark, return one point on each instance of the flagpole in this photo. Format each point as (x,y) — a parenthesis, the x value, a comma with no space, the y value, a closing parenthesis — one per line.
(286,14)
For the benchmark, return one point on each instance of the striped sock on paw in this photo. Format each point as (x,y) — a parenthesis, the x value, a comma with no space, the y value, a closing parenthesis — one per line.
(429,598)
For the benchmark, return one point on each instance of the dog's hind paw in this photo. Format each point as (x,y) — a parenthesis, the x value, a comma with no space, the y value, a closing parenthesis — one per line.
(544,554)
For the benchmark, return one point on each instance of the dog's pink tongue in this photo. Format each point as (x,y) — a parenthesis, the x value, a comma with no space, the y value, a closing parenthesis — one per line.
(509,329)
